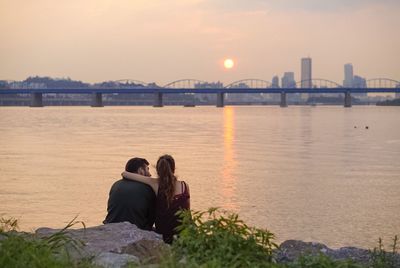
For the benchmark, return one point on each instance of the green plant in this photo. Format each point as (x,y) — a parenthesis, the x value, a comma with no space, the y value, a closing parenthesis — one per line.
(28,250)
(219,239)
(380,258)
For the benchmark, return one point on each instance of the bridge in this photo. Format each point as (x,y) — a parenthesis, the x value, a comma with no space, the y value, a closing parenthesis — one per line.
(193,86)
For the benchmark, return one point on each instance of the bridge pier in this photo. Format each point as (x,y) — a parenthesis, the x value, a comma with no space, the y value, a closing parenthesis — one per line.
(36,100)
(347,99)
(97,100)
(220,100)
(158,99)
(283,100)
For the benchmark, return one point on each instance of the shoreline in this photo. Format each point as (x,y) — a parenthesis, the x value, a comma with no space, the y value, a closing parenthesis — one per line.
(118,244)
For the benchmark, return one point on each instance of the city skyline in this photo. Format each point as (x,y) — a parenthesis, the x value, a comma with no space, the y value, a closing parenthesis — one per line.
(286,80)
(155,41)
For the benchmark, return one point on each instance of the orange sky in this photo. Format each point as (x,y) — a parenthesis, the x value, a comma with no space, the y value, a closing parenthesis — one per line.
(161,41)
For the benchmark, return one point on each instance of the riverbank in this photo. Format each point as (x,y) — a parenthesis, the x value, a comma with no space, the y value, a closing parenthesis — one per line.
(117,244)
(220,241)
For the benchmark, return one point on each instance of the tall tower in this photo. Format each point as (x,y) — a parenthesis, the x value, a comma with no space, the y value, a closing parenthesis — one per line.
(306,73)
(348,75)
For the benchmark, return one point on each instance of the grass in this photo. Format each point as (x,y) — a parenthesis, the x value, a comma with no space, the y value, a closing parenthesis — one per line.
(7,225)
(28,250)
(381,258)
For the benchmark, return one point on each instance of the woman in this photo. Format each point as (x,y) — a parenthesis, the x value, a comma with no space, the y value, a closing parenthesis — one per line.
(172,196)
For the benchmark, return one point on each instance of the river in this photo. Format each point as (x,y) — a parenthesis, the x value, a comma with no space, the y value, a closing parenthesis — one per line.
(325,173)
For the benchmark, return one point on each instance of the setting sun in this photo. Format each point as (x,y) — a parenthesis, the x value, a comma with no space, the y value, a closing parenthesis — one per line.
(228,63)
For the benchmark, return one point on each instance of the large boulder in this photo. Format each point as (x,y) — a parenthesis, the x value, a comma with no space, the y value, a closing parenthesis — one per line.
(114,244)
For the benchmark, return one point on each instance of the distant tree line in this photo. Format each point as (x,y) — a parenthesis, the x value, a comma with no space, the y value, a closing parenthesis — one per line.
(68,83)
(56,83)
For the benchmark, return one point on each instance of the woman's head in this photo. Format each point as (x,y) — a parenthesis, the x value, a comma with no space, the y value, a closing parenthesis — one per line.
(166,170)
(165,165)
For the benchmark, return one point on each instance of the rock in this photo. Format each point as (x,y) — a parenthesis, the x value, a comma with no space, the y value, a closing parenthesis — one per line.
(114,244)
(142,248)
(356,254)
(291,250)
(108,259)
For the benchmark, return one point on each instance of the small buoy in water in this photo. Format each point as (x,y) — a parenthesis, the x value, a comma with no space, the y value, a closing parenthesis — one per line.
(366,127)
(355,126)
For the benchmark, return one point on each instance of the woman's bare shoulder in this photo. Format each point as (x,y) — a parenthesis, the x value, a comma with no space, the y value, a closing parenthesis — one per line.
(181,186)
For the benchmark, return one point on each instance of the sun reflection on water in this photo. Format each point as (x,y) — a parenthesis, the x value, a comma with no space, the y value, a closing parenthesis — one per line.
(228,186)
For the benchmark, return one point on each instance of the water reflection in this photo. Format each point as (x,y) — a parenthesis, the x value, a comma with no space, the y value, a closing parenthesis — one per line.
(228,186)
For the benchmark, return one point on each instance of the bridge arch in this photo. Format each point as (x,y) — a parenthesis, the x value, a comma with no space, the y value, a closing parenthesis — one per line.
(383,83)
(184,83)
(250,83)
(319,83)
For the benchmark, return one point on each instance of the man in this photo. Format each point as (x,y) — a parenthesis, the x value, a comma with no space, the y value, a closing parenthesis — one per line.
(132,201)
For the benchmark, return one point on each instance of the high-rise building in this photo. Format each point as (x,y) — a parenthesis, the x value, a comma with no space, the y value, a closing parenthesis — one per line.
(306,76)
(306,73)
(359,82)
(288,80)
(275,82)
(348,75)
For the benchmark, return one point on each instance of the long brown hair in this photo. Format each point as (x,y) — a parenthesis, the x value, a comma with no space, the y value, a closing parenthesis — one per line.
(165,170)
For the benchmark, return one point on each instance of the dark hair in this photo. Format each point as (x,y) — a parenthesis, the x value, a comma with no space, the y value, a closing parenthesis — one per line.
(135,163)
(165,170)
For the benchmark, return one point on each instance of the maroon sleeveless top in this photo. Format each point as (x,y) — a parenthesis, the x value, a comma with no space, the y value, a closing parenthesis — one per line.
(166,220)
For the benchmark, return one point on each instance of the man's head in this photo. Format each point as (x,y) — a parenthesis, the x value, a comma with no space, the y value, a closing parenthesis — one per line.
(139,166)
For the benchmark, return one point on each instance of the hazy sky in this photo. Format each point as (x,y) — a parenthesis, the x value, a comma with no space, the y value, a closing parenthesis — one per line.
(164,40)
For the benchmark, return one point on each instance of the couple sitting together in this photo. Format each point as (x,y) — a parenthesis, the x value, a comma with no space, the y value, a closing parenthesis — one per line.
(142,200)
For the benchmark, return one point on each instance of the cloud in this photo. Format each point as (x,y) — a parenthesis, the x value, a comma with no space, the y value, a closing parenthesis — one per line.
(290,5)
(329,5)
(160,40)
